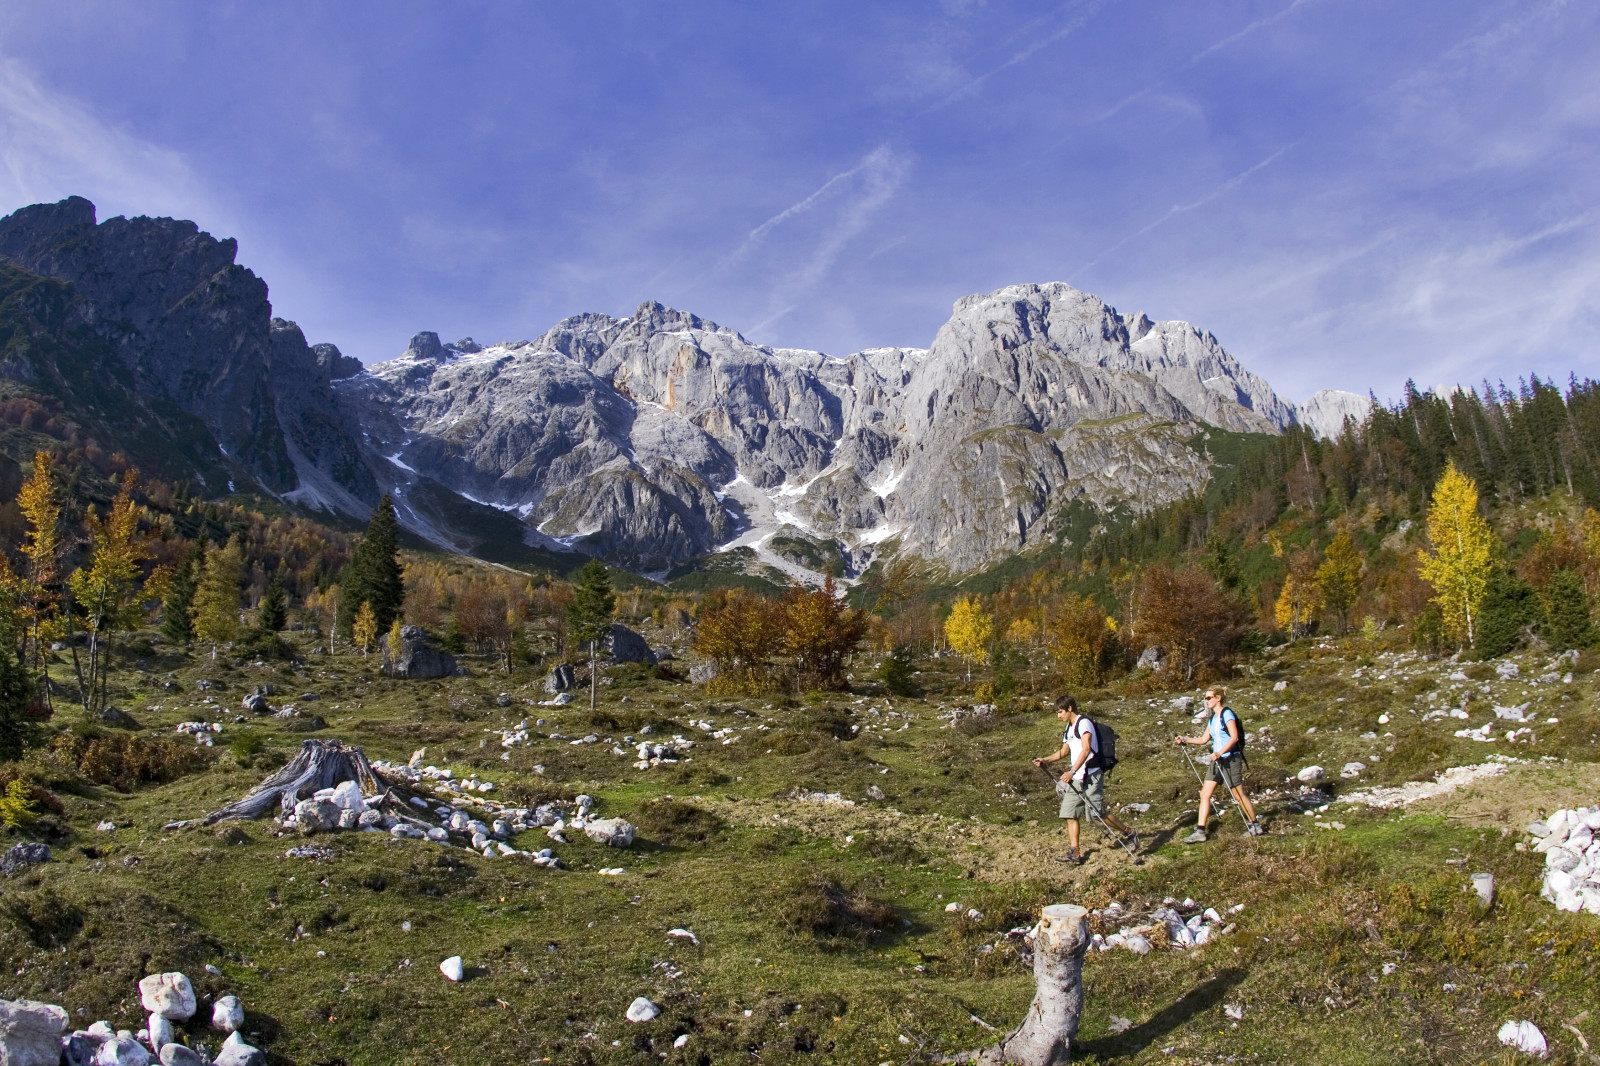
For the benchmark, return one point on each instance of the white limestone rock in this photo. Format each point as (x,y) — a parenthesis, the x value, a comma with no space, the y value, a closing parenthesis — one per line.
(169,995)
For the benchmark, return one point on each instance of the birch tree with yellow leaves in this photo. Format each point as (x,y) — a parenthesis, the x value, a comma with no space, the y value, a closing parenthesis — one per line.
(1463,547)
(969,630)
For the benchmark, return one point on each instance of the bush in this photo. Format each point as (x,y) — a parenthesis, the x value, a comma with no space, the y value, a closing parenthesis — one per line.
(1511,610)
(1568,621)
(898,672)
(125,761)
(672,821)
(819,905)
(246,746)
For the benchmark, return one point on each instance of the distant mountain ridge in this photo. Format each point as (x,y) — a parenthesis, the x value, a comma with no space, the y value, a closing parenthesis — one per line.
(656,439)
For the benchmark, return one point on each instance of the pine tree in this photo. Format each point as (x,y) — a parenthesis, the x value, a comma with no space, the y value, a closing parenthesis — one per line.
(16,687)
(273,614)
(373,575)
(969,629)
(176,624)
(216,598)
(1462,543)
(589,617)
(1510,608)
(1569,622)
(898,671)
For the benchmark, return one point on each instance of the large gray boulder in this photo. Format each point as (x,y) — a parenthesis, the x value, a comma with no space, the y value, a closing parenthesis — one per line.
(419,658)
(629,647)
(560,679)
(31,1032)
(22,856)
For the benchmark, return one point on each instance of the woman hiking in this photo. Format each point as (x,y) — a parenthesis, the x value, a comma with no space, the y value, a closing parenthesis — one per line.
(1227,764)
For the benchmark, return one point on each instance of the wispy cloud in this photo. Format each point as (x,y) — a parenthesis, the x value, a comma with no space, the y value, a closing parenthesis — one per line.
(52,147)
(1181,209)
(1080,13)
(1258,24)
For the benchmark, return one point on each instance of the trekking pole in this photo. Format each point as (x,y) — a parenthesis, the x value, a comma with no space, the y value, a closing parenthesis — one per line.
(1197,777)
(1105,828)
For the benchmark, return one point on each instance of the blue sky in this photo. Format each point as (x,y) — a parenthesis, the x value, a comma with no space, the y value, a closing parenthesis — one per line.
(1346,193)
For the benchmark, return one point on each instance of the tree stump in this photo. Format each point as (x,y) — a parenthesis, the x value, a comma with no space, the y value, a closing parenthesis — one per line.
(320,764)
(1045,1036)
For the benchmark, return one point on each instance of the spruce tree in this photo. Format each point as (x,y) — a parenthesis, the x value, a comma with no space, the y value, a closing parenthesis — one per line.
(16,686)
(1510,606)
(589,616)
(1568,620)
(274,611)
(373,573)
(176,625)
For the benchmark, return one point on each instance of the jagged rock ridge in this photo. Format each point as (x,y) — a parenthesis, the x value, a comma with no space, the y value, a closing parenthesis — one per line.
(658,438)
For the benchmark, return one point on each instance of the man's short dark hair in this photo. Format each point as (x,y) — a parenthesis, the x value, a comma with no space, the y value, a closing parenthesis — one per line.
(1067,703)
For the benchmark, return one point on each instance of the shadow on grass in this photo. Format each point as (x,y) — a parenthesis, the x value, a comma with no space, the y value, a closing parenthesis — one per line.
(1197,1000)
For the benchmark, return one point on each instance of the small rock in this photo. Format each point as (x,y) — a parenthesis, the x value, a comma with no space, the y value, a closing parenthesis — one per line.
(684,934)
(1352,769)
(160,1031)
(256,703)
(1280,686)
(1507,671)
(169,995)
(122,1051)
(452,968)
(235,1052)
(952,908)
(1233,1010)
(119,719)
(21,857)
(560,679)
(642,1010)
(613,832)
(875,793)
(1311,775)
(1120,1025)
(178,1055)
(1137,943)
(31,1032)
(227,1014)
(1524,1036)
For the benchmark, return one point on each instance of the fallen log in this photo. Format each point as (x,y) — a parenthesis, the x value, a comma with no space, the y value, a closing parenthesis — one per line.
(320,764)
(1045,1036)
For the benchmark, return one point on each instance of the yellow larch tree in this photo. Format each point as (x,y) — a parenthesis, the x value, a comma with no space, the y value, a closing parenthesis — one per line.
(107,591)
(969,630)
(364,630)
(216,597)
(1463,548)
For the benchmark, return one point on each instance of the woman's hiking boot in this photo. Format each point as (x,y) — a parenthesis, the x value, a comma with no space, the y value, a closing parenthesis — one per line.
(1196,837)
(1131,841)
(1256,829)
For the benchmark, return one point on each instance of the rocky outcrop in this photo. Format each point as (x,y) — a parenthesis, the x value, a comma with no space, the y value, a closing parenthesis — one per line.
(658,438)
(1325,413)
(418,658)
(195,334)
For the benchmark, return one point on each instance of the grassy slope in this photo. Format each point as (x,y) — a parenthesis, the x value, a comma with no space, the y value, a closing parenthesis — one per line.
(316,950)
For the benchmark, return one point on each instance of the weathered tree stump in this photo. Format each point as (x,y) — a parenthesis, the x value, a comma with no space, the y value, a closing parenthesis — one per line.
(320,764)
(1045,1036)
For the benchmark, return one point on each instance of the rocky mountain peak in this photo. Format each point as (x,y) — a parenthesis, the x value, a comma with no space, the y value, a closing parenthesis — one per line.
(425,348)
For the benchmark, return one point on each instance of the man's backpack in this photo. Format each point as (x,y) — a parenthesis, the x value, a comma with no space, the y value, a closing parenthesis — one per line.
(1108,747)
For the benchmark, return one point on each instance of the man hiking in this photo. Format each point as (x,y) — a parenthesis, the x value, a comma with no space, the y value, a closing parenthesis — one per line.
(1083,786)
(1227,764)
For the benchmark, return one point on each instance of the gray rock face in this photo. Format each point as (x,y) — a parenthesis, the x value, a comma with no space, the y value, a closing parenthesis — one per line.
(653,439)
(22,856)
(192,332)
(1325,413)
(560,678)
(419,658)
(31,1032)
(629,647)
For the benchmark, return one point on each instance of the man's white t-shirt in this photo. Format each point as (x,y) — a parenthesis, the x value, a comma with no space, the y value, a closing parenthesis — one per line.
(1077,735)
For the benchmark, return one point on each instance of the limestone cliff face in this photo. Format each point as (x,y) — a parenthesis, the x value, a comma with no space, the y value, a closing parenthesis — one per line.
(662,436)
(656,438)
(196,330)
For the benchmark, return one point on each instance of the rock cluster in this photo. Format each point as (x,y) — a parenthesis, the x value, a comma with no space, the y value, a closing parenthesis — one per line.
(1570,841)
(36,1034)
(1165,924)
(22,856)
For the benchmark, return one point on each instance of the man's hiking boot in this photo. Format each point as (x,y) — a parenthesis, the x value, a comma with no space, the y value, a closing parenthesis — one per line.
(1131,841)
(1071,858)
(1196,837)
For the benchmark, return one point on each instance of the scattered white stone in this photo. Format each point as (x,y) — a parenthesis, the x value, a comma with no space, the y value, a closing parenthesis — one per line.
(681,1041)
(611,871)
(169,995)
(612,832)
(452,968)
(1352,769)
(31,1032)
(159,1030)
(1233,1010)
(1311,775)
(642,1010)
(227,1014)
(1525,1037)
(952,908)
(684,934)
